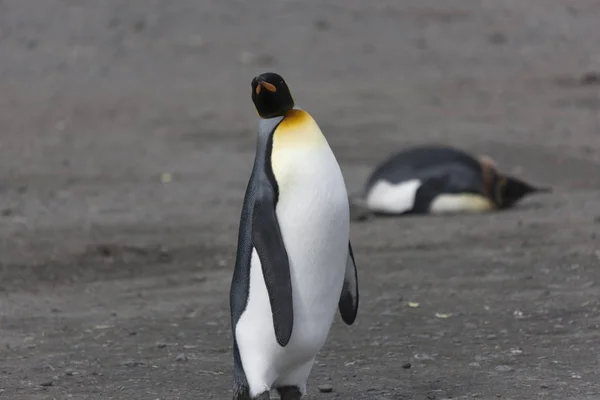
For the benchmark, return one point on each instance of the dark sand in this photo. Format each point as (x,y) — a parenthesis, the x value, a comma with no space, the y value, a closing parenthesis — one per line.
(114,285)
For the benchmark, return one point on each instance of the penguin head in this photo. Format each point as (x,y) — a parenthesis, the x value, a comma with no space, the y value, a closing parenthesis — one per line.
(271,95)
(504,190)
(509,190)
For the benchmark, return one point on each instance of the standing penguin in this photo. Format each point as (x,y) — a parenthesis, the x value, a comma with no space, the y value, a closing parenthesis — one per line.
(294,265)
(438,180)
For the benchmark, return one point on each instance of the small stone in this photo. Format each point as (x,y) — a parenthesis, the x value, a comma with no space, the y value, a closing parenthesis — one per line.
(70,372)
(31,44)
(130,363)
(406,365)
(544,386)
(47,384)
(166,177)
(325,388)
(181,357)
(498,38)
(164,255)
(322,25)
(139,25)
(161,345)
(491,336)
(516,351)
(503,368)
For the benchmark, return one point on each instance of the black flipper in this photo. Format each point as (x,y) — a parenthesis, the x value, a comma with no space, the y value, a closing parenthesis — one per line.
(348,304)
(427,192)
(268,242)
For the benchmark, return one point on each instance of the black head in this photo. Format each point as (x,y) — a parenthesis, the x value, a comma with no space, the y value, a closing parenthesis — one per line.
(271,95)
(509,190)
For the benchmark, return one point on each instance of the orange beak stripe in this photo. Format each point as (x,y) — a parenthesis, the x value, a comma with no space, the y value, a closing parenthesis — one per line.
(270,87)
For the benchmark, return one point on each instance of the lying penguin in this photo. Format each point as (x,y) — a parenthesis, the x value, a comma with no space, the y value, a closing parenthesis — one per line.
(438,180)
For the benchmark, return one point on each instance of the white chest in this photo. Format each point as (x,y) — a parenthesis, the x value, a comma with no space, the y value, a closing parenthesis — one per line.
(393,197)
(313,215)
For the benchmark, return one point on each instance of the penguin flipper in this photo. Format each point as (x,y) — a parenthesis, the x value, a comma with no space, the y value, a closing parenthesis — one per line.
(348,304)
(268,242)
(428,191)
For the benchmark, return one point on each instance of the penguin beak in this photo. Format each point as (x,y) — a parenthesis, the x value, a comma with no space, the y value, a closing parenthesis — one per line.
(515,190)
(262,84)
(268,86)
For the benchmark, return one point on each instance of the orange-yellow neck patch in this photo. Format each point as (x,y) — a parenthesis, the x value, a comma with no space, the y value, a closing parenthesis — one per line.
(297,130)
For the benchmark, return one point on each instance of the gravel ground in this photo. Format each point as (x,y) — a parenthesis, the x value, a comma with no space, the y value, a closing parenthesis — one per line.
(128,137)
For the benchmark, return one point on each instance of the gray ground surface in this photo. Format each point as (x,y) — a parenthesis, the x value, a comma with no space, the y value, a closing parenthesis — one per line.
(113,284)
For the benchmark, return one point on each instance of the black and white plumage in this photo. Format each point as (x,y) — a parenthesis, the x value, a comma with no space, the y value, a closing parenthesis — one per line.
(294,265)
(438,180)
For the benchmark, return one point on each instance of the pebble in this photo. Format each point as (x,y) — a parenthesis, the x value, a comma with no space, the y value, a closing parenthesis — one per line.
(325,388)
(497,38)
(161,345)
(181,357)
(503,368)
(406,366)
(130,363)
(47,384)
(322,25)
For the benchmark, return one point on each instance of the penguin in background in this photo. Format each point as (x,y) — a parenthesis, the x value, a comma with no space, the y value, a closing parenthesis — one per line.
(294,265)
(438,180)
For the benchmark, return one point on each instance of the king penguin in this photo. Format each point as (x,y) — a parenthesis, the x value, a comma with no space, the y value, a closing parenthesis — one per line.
(436,179)
(294,265)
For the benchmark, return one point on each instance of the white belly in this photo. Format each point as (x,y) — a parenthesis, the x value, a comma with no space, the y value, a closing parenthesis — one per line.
(400,197)
(460,203)
(394,198)
(313,214)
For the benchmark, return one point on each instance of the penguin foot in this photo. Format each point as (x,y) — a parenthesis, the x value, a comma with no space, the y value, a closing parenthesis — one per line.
(289,393)
(242,392)
(263,396)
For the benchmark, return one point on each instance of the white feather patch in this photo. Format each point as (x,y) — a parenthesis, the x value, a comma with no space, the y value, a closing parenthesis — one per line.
(393,197)
(456,203)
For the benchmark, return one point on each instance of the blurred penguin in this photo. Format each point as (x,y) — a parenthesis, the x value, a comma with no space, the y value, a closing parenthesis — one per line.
(438,180)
